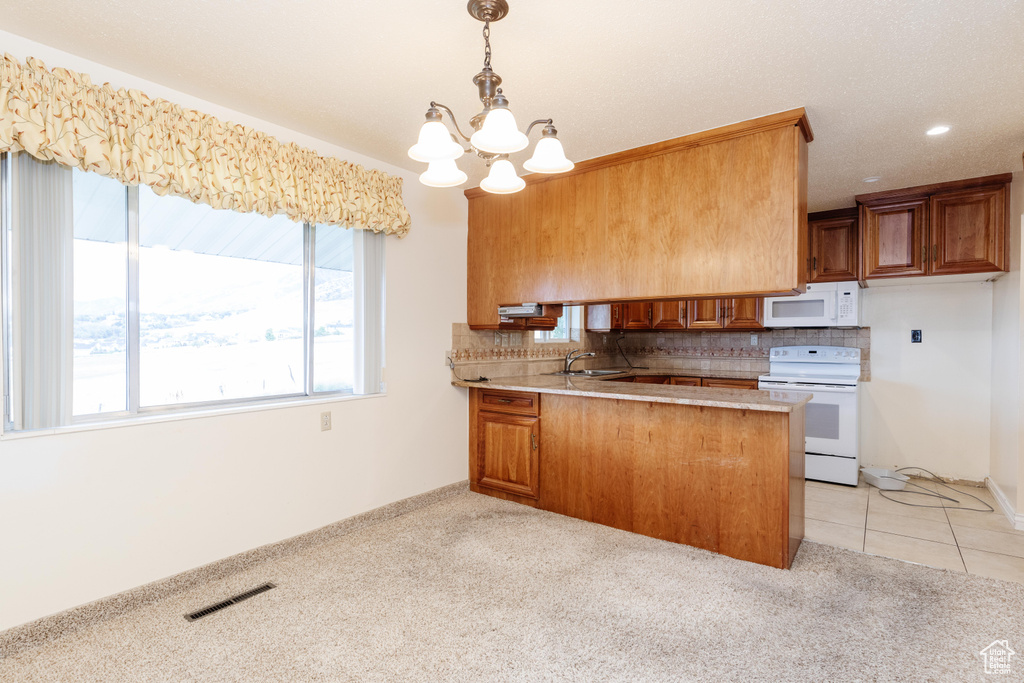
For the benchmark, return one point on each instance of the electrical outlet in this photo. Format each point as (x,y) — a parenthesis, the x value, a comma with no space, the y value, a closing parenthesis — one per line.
(753,340)
(325,421)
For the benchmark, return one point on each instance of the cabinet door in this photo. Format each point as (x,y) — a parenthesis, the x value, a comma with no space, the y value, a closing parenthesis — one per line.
(685,381)
(744,314)
(617,316)
(968,231)
(651,379)
(894,239)
(729,383)
(668,315)
(705,314)
(507,451)
(636,316)
(835,245)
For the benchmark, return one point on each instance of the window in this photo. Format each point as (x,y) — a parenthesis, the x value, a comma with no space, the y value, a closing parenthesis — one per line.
(568,328)
(125,302)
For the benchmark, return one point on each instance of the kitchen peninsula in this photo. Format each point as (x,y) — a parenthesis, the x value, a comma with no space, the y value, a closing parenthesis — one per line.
(719,469)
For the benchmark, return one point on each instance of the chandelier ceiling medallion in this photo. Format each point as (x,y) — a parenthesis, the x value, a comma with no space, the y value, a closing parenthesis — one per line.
(496,135)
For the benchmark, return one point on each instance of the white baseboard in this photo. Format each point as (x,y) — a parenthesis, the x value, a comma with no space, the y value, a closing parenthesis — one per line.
(1016,518)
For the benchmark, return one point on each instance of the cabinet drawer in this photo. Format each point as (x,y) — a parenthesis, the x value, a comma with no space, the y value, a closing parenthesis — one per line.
(518,402)
(729,383)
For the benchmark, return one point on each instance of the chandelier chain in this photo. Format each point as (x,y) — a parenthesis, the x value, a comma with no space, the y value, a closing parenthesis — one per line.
(487,45)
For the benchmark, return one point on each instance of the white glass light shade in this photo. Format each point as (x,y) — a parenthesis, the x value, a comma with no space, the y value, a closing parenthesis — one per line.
(435,144)
(502,179)
(443,173)
(548,157)
(499,134)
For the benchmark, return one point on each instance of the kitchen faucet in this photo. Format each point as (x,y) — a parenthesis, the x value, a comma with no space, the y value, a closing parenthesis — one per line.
(570,359)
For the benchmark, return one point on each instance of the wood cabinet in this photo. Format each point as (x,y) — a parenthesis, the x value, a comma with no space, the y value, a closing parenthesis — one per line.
(636,315)
(652,379)
(943,229)
(668,315)
(722,383)
(727,480)
(894,236)
(705,314)
(684,381)
(689,217)
(968,230)
(834,242)
(506,438)
(744,314)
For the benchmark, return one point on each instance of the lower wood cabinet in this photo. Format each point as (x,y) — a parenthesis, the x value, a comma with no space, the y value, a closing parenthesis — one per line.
(729,383)
(506,441)
(685,381)
(509,453)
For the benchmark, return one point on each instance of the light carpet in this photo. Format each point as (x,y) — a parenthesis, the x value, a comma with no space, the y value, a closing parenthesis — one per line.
(477,589)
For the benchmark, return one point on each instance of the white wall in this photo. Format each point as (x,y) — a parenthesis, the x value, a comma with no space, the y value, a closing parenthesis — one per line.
(927,404)
(1006,351)
(87,514)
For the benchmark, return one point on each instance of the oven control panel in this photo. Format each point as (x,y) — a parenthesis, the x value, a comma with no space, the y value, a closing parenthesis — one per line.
(815,354)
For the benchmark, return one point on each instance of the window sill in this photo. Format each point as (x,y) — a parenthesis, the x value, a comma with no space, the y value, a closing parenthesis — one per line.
(175,415)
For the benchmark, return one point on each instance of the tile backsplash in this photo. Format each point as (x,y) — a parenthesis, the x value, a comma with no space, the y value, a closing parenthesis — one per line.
(501,354)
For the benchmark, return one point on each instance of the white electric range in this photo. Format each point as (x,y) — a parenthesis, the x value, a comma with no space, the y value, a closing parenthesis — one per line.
(830,373)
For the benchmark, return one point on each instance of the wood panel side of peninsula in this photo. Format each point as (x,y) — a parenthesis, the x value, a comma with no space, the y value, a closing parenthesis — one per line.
(727,480)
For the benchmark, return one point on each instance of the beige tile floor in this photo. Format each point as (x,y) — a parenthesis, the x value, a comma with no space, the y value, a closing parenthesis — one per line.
(982,543)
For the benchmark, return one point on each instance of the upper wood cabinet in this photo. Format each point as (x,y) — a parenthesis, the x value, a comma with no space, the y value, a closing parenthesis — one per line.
(689,217)
(706,314)
(834,241)
(744,314)
(943,229)
(894,239)
(636,315)
(668,315)
(968,231)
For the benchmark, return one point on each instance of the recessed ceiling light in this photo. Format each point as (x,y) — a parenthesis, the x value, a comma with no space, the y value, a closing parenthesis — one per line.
(938,130)
(872,179)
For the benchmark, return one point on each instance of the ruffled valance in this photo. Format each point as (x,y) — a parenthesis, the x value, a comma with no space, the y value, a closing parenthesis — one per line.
(127,135)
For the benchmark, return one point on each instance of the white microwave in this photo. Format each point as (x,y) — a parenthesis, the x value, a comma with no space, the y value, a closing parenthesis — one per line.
(825,304)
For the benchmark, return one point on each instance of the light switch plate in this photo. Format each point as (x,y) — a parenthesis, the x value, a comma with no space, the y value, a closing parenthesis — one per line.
(325,421)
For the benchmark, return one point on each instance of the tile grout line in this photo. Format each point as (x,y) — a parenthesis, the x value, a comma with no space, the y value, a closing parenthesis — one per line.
(864,536)
(955,540)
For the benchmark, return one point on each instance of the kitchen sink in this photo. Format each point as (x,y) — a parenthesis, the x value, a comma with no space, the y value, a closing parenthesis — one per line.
(587,373)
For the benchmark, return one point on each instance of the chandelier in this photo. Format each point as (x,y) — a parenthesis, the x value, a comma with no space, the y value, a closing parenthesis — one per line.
(496,135)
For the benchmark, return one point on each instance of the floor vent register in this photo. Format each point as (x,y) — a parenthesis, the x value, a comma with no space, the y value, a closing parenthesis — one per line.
(206,611)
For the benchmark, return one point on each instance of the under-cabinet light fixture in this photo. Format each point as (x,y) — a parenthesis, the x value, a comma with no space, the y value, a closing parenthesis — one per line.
(496,133)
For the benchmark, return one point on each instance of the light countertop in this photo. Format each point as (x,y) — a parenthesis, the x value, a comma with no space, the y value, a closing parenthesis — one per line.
(737,399)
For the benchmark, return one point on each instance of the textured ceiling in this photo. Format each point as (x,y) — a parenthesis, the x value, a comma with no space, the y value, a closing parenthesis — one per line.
(872,74)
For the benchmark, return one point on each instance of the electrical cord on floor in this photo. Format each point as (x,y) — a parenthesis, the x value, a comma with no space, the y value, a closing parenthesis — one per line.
(451,364)
(631,366)
(931,494)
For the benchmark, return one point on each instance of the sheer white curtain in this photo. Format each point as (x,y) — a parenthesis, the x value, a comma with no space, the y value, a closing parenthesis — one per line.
(368,286)
(42,249)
